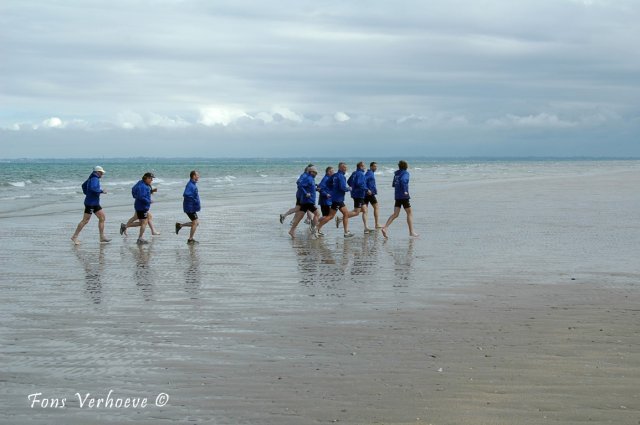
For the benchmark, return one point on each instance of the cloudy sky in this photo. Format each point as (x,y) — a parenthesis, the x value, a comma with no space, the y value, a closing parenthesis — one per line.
(118,78)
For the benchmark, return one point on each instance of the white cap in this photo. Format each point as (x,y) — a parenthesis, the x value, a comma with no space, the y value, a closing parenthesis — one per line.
(98,169)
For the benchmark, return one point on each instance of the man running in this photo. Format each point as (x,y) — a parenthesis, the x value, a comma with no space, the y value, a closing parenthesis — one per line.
(324,188)
(296,208)
(191,206)
(141,192)
(357,182)
(307,199)
(370,198)
(401,185)
(91,188)
(338,191)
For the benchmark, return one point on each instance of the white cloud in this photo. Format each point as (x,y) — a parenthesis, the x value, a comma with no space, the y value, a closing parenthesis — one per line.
(341,117)
(540,120)
(220,115)
(53,122)
(130,120)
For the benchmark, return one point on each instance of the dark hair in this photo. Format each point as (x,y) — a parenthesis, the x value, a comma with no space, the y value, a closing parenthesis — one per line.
(192,174)
(403,165)
(372,164)
(360,164)
(148,175)
(327,169)
(341,163)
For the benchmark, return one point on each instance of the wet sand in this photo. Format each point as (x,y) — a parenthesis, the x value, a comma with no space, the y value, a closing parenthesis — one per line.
(517,305)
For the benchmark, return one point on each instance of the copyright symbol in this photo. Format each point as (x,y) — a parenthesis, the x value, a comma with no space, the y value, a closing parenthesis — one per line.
(162,399)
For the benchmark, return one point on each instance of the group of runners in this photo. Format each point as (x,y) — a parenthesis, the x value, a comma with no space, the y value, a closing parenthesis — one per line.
(331,193)
(141,218)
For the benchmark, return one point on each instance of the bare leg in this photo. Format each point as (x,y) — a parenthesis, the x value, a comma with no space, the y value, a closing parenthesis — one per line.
(410,222)
(375,215)
(345,219)
(364,218)
(143,227)
(296,220)
(83,222)
(151,226)
(101,220)
(324,220)
(194,226)
(396,213)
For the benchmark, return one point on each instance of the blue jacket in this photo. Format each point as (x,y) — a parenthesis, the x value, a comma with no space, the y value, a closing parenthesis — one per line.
(307,189)
(358,184)
(339,187)
(401,183)
(325,190)
(142,194)
(191,201)
(370,178)
(94,190)
(298,191)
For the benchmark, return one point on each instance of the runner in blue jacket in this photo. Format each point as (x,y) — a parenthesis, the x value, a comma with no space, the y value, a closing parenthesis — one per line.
(141,192)
(359,190)
(401,185)
(92,190)
(191,206)
(325,192)
(370,197)
(339,189)
(306,195)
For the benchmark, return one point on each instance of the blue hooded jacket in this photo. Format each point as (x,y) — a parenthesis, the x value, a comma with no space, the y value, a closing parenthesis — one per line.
(325,190)
(94,190)
(370,178)
(191,201)
(142,194)
(358,184)
(401,183)
(339,187)
(307,189)
(298,191)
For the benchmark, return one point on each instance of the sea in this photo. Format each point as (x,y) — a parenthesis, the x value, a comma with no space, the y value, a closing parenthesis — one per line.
(43,186)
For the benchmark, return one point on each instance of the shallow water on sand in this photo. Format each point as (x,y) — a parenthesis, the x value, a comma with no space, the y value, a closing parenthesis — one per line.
(250,326)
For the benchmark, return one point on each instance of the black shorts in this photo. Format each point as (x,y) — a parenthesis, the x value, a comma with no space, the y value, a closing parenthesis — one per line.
(402,203)
(337,205)
(142,215)
(192,216)
(370,199)
(298,202)
(308,207)
(326,210)
(89,209)
(358,202)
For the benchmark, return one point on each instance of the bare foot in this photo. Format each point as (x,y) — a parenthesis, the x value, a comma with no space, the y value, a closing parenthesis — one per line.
(292,233)
(105,240)
(384,232)
(414,235)
(155,233)
(75,240)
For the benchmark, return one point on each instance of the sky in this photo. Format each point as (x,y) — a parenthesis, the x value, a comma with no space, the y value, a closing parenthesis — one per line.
(190,78)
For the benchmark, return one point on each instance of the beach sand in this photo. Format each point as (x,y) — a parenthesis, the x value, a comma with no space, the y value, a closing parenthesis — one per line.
(517,305)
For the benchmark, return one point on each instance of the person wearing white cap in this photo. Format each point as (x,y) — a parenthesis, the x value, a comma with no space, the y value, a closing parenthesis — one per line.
(92,190)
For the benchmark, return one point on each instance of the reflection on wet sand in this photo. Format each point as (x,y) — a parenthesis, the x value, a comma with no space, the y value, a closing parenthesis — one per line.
(93,270)
(402,262)
(192,274)
(338,265)
(143,274)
